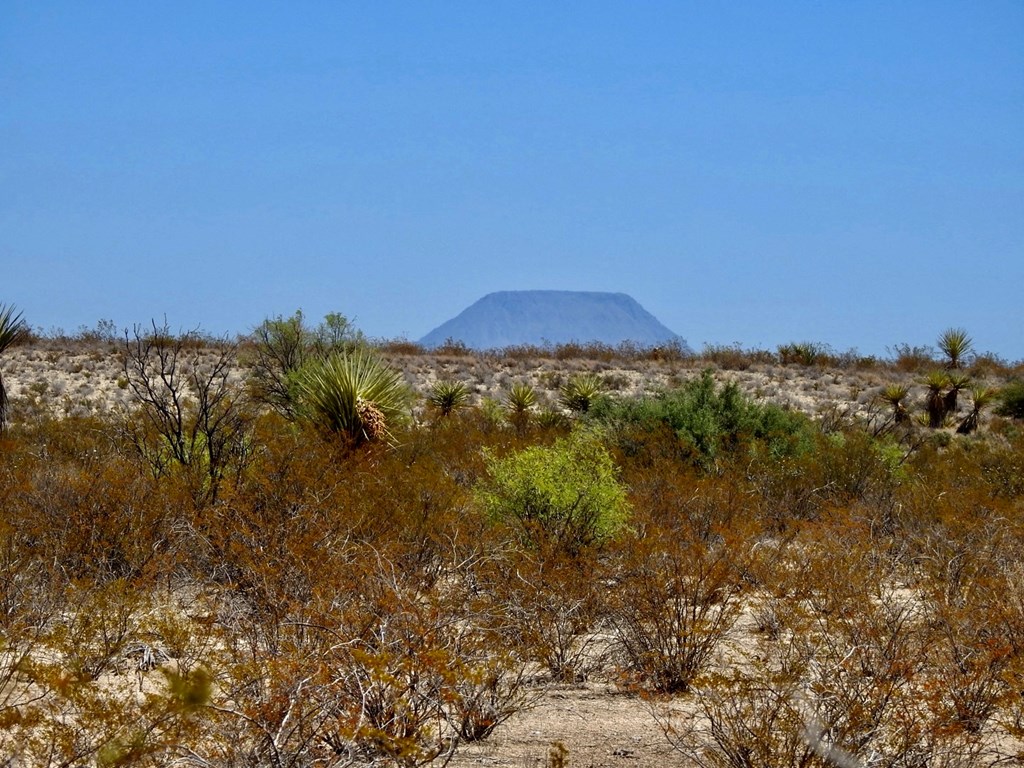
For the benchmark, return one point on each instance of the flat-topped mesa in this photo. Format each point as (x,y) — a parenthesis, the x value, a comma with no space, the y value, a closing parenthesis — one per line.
(508,318)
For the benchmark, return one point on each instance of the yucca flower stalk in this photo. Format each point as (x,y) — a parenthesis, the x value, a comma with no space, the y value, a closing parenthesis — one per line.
(356,395)
(12,331)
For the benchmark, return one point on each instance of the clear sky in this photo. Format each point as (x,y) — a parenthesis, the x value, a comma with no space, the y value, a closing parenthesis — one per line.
(850,173)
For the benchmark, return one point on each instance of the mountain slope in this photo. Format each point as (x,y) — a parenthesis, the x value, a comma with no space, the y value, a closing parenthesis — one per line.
(506,318)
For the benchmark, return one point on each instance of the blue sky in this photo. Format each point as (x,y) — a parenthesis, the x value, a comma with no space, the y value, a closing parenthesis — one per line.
(850,173)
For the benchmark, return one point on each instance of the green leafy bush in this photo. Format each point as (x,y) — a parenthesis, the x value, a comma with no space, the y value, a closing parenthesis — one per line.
(1012,400)
(709,418)
(568,492)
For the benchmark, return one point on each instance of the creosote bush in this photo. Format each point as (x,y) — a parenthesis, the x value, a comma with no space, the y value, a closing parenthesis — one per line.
(568,492)
(1011,399)
(709,419)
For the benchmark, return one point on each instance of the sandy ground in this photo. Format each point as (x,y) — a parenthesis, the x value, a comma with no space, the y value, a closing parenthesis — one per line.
(77,380)
(599,727)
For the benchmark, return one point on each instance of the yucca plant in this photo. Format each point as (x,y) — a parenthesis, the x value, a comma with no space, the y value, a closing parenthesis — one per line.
(448,396)
(955,345)
(894,395)
(518,402)
(520,399)
(982,398)
(957,382)
(12,331)
(580,392)
(356,395)
(934,400)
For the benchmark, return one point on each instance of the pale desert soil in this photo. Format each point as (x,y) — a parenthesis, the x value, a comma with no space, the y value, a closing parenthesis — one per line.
(600,727)
(82,380)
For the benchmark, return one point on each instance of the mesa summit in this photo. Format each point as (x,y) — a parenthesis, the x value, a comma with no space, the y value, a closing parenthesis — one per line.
(508,318)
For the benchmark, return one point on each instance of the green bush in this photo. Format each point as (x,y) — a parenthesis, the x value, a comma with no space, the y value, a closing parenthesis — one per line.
(568,492)
(803,353)
(709,418)
(1012,400)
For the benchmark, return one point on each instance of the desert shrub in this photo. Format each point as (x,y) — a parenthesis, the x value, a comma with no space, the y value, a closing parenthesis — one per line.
(911,359)
(711,419)
(398,347)
(987,364)
(732,357)
(805,353)
(1011,399)
(90,512)
(675,602)
(859,675)
(279,347)
(453,348)
(568,492)
(375,673)
(552,603)
(844,468)
(851,359)
(189,416)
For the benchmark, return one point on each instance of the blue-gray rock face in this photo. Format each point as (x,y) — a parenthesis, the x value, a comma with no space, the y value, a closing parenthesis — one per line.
(507,318)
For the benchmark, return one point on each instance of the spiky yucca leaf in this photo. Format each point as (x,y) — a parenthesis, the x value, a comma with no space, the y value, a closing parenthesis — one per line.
(936,381)
(448,396)
(520,399)
(580,392)
(894,395)
(934,400)
(956,383)
(356,395)
(955,345)
(982,397)
(12,331)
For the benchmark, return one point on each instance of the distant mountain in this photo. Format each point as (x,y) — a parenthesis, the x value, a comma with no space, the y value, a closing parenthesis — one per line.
(507,318)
